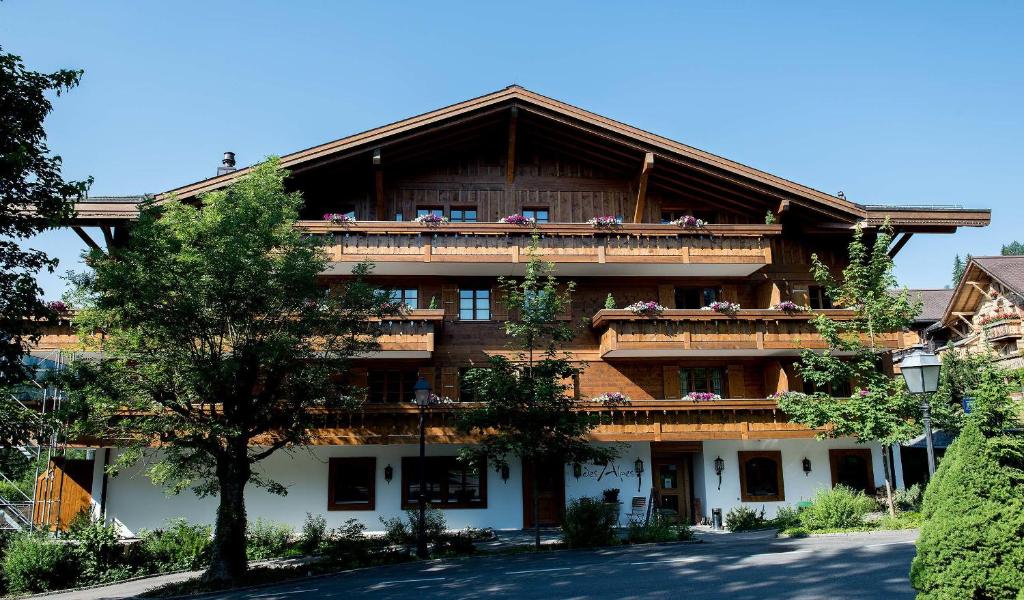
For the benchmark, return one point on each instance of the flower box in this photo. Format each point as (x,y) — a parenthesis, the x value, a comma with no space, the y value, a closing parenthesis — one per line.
(605,222)
(430,219)
(517,220)
(339,218)
(689,221)
(788,307)
(725,308)
(647,308)
(611,399)
(703,396)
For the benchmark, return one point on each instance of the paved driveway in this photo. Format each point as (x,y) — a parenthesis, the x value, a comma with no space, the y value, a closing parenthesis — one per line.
(871,565)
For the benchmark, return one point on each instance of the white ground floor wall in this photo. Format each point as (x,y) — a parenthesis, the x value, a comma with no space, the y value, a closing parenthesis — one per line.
(134,502)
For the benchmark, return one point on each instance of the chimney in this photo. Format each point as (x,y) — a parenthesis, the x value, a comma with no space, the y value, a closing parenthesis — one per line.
(227,164)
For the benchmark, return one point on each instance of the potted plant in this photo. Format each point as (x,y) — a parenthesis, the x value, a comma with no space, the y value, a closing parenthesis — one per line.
(725,308)
(605,222)
(648,308)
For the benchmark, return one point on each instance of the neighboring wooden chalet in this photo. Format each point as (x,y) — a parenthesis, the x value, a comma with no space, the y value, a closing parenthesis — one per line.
(515,152)
(984,311)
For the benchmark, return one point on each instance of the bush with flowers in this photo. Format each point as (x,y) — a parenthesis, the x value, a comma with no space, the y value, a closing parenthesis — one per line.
(611,399)
(339,218)
(430,219)
(606,221)
(721,306)
(689,221)
(703,396)
(990,320)
(648,308)
(517,220)
(789,307)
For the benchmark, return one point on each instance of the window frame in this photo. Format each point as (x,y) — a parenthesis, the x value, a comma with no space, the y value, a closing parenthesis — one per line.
(837,454)
(402,296)
(475,298)
(401,391)
(535,210)
(724,377)
(410,472)
(463,210)
(742,456)
(816,295)
(368,462)
(679,292)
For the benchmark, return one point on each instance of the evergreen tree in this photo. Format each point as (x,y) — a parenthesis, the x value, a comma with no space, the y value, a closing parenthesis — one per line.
(1014,248)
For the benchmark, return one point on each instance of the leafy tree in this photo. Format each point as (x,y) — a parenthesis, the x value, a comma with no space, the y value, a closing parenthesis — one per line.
(881,410)
(970,542)
(1014,248)
(529,410)
(220,347)
(33,196)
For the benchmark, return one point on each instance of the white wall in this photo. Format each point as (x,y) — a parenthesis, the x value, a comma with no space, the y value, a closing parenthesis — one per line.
(134,502)
(797,485)
(619,473)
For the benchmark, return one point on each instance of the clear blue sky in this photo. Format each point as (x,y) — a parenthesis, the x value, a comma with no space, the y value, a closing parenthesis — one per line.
(919,103)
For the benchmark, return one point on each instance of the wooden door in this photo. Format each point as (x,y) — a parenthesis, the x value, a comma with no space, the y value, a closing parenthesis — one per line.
(550,492)
(62,493)
(672,488)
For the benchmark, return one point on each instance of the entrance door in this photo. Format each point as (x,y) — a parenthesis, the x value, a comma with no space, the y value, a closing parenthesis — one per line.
(672,486)
(852,468)
(550,493)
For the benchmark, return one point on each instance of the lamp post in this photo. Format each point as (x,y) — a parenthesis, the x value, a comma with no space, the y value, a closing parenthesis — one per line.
(422,394)
(921,372)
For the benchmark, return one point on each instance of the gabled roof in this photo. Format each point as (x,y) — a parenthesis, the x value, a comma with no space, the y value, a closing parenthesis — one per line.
(1007,271)
(933,303)
(643,141)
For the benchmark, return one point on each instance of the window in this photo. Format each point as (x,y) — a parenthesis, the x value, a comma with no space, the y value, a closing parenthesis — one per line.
(701,379)
(390,385)
(836,389)
(422,211)
(474,305)
(539,215)
(761,476)
(817,298)
(409,297)
(852,468)
(351,483)
(695,297)
(463,214)
(449,482)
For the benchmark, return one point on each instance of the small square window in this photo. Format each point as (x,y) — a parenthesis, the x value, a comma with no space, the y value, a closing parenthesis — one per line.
(539,215)
(407,296)
(474,304)
(351,483)
(464,214)
(818,298)
(761,476)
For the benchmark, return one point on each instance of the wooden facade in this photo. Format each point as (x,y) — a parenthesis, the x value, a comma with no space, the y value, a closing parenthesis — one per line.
(517,152)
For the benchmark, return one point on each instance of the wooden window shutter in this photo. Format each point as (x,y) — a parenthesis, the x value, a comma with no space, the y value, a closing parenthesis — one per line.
(671,376)
(499,306)
(737,387)
(427,373)
(449,383)
(450,302)
(667,295)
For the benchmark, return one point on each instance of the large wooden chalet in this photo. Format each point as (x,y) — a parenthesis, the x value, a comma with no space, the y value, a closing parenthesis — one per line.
(515,152)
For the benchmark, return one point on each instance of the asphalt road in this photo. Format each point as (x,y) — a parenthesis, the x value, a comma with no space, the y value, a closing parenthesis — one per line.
(871,565)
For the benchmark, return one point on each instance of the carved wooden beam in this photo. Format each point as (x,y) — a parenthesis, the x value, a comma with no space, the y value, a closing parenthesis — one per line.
(900,243)
(510,162)
(85,238)
(978,287)
(378,186)
(641,194)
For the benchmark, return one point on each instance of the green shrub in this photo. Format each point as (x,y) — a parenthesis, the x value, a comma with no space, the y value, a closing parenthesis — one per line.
(36,563)
(786,517)
(349,543)
(399,532)
(910,498)
(797,532)
(589,522)
(970,543)
(837,508)
(266,539)
(99,549)
(744,518)
(658,529)
(179,546)
(314,533)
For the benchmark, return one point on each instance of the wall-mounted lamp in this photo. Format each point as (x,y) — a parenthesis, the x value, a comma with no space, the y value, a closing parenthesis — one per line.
(389,473)
(719,467)
(638,466)
(577,470)
(504,473)
(807,466)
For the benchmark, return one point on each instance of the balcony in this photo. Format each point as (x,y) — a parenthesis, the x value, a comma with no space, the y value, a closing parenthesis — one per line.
(1003,330)
(700,333)
(410,335)
(578,249)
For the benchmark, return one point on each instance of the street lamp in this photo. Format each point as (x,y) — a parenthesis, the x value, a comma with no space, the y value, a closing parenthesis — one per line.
(422,394)
(921,372)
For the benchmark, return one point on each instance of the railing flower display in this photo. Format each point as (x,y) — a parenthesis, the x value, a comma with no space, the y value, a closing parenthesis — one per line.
(688,221)
(990,320)
(703,396)
(726,308)
(430,219)
(339,218)
(442,400)
(789,307)
(648,308)
(787,394)
(611,399)
(517,220)
(605,222)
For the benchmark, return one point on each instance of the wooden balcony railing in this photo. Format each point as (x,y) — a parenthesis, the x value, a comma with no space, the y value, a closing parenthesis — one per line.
(405,247)
(708,333)
(1003,330)
(410,335)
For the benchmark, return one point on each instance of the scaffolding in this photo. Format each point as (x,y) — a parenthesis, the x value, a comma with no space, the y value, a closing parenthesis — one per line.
(40,510)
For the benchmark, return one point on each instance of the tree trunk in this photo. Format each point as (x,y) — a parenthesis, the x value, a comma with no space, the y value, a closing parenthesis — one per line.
(229,562)
(888,480)
(536,507)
